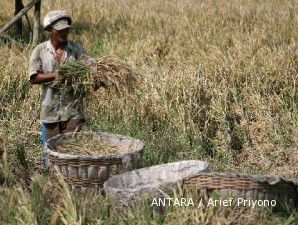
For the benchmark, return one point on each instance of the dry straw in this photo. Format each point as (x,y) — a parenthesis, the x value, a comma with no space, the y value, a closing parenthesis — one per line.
(86,145)
(112,72)
(76,77)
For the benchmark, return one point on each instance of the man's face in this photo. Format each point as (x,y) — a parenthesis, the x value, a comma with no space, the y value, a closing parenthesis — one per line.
(59,35)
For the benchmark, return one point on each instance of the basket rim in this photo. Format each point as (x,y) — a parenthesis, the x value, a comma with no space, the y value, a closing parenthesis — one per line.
(58,155)
(270,179)
(205,167)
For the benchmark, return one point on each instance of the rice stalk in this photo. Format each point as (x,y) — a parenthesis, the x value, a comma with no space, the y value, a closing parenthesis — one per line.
(74,78)
(67,208)
(112,72)
(86,146)
(26,215)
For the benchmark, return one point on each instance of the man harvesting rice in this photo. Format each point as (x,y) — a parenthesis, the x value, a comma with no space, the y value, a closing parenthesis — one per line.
(61,112)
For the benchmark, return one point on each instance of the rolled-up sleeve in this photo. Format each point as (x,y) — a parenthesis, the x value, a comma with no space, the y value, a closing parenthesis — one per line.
(35,65)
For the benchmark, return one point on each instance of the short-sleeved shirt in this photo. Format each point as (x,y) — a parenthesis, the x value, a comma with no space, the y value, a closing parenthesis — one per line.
(55,106)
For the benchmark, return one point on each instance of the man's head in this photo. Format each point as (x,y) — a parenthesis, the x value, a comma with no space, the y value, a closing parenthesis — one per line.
(58,23)
(58,35)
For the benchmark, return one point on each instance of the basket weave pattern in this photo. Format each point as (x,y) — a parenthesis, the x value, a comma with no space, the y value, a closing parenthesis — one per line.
(85,173)
(92,171)
(243,186)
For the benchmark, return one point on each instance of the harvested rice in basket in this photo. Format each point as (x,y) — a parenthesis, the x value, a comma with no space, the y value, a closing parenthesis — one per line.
(86,145)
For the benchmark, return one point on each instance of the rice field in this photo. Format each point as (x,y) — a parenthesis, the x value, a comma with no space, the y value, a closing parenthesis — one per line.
(218,83)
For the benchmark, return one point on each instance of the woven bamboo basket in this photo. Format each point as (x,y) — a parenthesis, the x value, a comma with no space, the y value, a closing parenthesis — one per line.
(85,171)
(148,182)
(243,186)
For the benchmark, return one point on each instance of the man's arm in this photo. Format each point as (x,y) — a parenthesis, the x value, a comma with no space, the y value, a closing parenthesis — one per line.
(36,74)
(41,78)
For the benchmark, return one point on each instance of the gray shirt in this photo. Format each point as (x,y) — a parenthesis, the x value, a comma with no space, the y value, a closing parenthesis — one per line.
(56,107)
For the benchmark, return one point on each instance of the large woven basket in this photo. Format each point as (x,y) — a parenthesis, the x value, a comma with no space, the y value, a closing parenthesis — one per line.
(149,181)
(82,171)
(243,186)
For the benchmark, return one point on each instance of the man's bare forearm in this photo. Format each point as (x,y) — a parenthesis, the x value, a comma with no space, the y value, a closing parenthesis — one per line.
(41,78)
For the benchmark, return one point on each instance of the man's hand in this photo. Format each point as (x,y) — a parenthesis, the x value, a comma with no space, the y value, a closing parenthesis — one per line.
(41,78)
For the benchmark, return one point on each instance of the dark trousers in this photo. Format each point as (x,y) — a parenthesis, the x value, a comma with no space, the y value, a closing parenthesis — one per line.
(53,129)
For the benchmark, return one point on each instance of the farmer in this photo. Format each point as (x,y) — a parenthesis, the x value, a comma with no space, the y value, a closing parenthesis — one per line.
(60,113)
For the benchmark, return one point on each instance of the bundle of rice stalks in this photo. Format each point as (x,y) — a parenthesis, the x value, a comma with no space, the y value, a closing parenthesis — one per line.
(75,77)
(112,72)
(78,145)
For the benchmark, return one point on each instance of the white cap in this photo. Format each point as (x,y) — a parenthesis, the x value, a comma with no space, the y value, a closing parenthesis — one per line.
(54,16)
(61,24)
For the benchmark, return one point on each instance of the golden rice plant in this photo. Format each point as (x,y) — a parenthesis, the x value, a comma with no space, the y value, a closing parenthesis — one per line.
(76,77)
(112,72)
